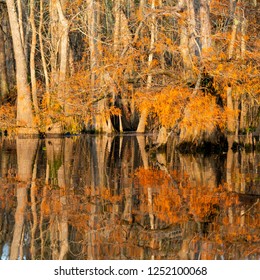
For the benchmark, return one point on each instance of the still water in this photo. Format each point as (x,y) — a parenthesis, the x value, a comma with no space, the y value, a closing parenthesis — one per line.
(101,197)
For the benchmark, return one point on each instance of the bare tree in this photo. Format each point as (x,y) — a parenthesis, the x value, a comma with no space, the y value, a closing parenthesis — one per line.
(25,121)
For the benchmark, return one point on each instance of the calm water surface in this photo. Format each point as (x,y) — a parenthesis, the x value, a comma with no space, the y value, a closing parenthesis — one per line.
(99,197)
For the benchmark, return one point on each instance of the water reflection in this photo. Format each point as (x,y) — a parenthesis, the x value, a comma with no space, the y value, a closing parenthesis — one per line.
(106,197)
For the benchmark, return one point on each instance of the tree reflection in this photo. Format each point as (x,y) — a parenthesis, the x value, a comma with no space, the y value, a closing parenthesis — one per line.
(26,151)
(109,198)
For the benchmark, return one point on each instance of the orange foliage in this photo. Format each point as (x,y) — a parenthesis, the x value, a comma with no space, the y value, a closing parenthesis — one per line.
(167,104)
(7,116)
(202,115)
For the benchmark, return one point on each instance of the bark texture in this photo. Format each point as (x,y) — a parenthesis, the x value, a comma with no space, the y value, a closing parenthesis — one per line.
(25,121)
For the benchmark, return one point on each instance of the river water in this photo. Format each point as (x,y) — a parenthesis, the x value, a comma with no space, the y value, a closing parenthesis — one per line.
(114,197)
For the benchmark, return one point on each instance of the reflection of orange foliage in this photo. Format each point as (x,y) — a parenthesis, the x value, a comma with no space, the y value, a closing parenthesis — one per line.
(151,177)
(45,208)
(169,197)
(205,200)
(106,194)
(175,199)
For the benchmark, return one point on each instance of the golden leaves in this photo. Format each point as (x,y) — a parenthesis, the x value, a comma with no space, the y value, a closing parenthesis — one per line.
(167,104)
(202,115)
(7,116)
(115,111)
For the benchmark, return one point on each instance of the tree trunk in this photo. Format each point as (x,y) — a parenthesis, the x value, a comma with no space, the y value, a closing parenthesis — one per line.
(205,30)
(235,15)
(64,39)
(25,121)
(64,54)
(122,34)
(93,60)
(187,38)
(116,39)
(44,63)
(185,52)
(8,44)
(93,37)
(122,38)
(162,136)
(32,57)
(144,112)
(20,20)
(59,60)
(243,38)
(54,51)
(233,38)
(3,74)
(231,122)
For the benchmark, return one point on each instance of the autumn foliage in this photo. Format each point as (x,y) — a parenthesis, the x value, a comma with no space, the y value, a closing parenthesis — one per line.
(192,70)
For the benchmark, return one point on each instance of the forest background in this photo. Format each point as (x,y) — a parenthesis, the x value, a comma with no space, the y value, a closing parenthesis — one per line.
(186,66)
